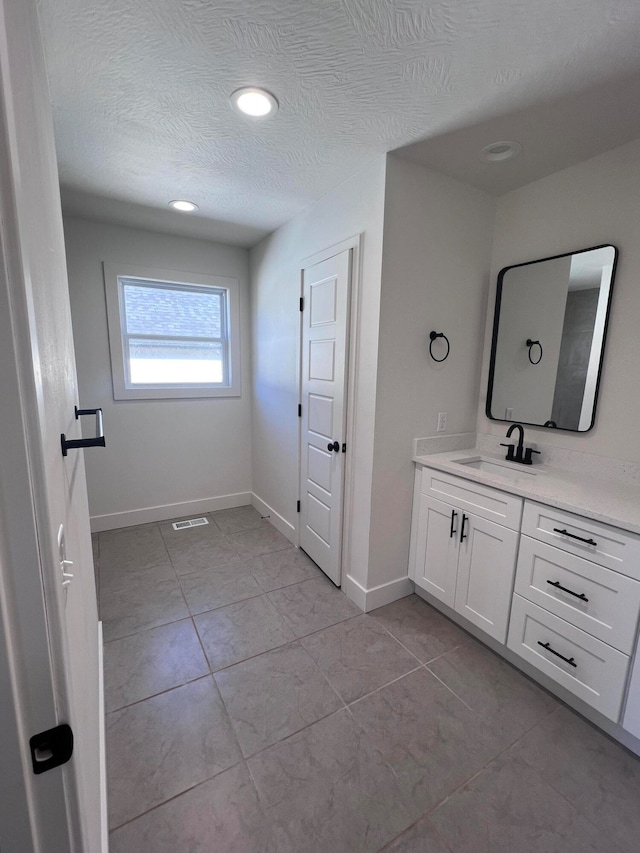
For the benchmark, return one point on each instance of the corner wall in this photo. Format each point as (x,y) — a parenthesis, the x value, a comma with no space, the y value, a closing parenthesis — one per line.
(354,207)
(586,205)
(435,275)
(163,458)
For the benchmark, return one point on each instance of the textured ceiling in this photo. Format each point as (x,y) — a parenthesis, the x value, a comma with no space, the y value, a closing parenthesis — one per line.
(140,93)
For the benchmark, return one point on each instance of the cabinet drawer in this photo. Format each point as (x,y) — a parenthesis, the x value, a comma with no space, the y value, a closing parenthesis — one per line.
(601,602)
(614,548)
(472,497)
(598,672)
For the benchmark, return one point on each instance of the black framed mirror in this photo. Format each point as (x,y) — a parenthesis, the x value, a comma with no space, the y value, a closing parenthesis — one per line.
(549,332)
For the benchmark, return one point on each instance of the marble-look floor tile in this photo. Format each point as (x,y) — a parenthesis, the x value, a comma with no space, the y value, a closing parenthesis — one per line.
(237,519)
(496,691)
(283,568)
(597,775)
(430,738)
(274,695)
(145,605)
(259,540)
(135,547)
(201,552)
(419,838)
(207,590)
(151,662)
(327,791)
(221,815)
(164,745)
(420,627)
(358,656)
(117,577)
(239,631)
(508,808)
(312,605)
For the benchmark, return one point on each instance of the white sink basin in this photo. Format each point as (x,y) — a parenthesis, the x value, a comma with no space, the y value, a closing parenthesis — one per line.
(511,470)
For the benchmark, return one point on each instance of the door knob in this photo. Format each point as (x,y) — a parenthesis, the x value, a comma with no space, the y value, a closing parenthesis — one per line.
(334,446)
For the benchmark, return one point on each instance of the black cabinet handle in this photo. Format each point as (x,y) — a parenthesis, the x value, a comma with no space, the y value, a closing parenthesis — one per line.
(75,443)
(465,518)
(333,445)
(558,585)
(547,646)
(452,532)
(573,536)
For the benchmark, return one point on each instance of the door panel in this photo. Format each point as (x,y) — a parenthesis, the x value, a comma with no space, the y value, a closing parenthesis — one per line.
(437,572)
(486,569)
(34,256)
(325,318)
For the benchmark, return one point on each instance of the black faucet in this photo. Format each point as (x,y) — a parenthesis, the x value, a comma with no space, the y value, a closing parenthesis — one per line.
(520,453)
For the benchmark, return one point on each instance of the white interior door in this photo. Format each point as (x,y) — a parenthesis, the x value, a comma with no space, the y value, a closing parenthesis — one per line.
(49,639)
(325,323)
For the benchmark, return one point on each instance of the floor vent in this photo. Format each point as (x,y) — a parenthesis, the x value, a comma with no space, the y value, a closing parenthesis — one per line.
(192,522)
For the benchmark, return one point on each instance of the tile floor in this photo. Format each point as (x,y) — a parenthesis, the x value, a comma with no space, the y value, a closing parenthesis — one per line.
(252,707)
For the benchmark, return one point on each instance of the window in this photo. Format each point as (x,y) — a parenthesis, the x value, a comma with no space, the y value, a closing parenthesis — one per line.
(172,334)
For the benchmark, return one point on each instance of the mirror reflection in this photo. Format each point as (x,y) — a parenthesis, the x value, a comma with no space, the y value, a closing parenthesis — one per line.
(548,339)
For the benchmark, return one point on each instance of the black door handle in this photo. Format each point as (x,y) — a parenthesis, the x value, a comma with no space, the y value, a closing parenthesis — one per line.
(452,532)
(465,518)
(334,445)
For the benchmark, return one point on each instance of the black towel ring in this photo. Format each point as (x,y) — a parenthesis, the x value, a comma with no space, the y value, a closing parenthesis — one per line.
(434,336)
(531,344)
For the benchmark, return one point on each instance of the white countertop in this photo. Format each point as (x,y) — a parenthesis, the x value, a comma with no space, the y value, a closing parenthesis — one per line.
(611,503)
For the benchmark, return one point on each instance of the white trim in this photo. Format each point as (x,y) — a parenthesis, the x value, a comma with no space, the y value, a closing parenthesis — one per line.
(353,333)
(113,272)
(377,596)
(286,528)
(164,512)
(104,820)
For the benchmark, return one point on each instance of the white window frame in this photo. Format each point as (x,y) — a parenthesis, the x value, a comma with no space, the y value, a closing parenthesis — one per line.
(122,388)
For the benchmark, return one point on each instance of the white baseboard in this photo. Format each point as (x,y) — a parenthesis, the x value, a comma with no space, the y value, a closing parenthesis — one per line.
(104,822)
(377,596)
(286,528)
(114,520)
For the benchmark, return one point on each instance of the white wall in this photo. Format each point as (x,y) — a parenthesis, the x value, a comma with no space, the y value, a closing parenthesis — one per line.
(589,204)
(435,275)
(354,207)
(159,453)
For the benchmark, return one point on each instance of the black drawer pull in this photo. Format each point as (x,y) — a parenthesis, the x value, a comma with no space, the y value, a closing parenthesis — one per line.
(570,661)
(465,518)
(558,585)
(573,536)
(452,532)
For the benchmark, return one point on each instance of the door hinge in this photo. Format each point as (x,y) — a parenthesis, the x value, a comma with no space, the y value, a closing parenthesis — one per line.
(299,410)
(51,748)
(298,507)
(301,303)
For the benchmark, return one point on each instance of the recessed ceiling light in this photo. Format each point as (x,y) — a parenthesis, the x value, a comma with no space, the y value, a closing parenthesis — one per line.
(184,206)
(498,152)
(256,103)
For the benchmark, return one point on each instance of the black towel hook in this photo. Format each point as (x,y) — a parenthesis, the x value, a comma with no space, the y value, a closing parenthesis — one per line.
(531,344)
(433,336)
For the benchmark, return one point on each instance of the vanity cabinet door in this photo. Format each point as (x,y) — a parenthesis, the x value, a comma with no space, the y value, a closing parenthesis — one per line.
(486,570)
(436,553)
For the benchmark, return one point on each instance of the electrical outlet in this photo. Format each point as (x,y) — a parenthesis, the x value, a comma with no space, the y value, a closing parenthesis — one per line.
(442,421)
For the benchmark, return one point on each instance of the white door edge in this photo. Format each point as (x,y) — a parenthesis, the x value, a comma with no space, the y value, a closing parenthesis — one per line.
(355,244)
